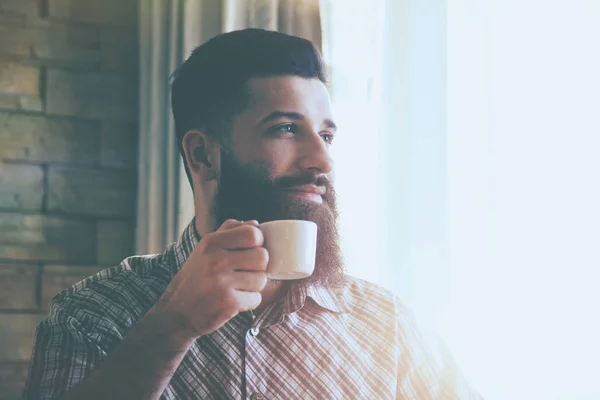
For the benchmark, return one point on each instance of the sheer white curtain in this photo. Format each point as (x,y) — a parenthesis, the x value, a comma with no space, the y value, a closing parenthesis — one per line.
(469,181)
(523,168)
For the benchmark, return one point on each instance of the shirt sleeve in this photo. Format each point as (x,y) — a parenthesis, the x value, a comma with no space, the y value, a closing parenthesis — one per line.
(426,368)
(63,356)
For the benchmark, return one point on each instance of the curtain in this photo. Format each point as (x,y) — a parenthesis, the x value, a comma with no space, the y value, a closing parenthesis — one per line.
(294,17)
(169,30)
(157,169)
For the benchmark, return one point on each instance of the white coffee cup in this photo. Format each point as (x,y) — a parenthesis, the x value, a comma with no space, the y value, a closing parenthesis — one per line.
(292,247)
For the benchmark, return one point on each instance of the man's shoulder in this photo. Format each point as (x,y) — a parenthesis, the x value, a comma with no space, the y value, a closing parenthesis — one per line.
(360,289)
(369,298)
(128,288)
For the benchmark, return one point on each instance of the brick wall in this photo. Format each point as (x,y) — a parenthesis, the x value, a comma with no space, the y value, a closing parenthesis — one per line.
(68,111)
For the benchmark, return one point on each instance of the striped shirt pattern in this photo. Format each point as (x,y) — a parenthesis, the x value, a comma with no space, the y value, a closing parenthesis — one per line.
(359,342)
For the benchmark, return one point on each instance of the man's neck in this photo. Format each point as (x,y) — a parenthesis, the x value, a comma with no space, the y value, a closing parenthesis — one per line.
(273,292)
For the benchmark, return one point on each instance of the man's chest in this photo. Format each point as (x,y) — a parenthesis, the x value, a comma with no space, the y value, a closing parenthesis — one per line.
(323,359)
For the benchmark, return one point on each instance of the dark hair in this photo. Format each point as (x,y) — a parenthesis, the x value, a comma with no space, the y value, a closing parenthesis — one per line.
(209,88)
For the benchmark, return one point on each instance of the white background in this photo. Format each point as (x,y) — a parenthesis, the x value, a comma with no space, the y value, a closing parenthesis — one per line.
(469,178)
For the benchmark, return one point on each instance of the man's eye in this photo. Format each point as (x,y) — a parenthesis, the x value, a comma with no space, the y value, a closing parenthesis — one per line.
(327,138)
(287,128)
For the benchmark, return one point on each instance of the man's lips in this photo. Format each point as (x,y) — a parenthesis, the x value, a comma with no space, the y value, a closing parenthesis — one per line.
(309,192)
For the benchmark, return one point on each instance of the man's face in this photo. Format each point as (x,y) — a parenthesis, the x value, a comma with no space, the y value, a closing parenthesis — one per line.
(277,164)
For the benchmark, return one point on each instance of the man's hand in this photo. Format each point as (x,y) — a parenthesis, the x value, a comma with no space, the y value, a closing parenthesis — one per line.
(222,277)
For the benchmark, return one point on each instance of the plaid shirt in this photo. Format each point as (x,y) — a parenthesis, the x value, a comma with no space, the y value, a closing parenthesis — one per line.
(357,343)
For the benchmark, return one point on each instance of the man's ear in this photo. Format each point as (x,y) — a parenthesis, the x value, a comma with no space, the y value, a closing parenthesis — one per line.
(201,155)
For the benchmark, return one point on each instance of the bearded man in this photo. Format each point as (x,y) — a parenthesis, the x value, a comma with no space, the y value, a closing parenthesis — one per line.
(254,124)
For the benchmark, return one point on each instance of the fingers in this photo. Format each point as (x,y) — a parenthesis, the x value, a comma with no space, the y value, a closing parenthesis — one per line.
(233,223)
(248,300)
(252,260)
(249,281)
(243,236)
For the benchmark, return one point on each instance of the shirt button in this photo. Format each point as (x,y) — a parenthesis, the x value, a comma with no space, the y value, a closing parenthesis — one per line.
(254,332)
(257,396)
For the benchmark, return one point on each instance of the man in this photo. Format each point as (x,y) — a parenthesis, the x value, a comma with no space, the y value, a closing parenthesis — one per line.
(254,124)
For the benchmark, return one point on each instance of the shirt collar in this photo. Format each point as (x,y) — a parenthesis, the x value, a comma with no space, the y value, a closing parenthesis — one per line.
(182,248)
(335,300)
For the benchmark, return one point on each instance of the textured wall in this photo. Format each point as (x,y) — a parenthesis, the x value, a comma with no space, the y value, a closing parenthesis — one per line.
(68,114)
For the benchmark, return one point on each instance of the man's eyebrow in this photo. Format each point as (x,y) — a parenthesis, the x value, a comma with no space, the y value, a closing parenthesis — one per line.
(330,124)
(281,114)
(295,116)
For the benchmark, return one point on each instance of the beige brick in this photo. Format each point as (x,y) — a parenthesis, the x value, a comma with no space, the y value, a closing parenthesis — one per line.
(21,186)
(52,44)
(115,241)
(15,41)
(105,96)
(18,79)
(42,139)
(12,379)
(23,102)
(19,85)
(75,46)
(118,145)
(119,49)
(106,12)
(27,7)
(12,19)
(37,237)
(18,286)
(9,102)
(78,35)
(17,332)
(56,278)
(91,191)
(29,103)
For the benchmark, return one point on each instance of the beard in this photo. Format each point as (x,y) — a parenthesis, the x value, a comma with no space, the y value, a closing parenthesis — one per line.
(246,192)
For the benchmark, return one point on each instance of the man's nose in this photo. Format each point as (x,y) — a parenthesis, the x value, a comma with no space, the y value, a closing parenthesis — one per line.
(315,155)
